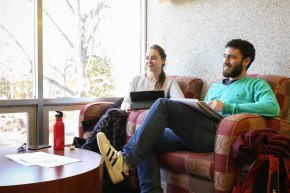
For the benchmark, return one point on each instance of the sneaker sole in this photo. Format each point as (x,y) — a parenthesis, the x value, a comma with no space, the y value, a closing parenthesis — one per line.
(112,175)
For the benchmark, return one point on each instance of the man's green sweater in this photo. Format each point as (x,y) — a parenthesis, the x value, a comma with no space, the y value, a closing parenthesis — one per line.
(246,95)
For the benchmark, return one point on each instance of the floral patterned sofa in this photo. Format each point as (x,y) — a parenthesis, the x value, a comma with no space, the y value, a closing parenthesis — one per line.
(189,172)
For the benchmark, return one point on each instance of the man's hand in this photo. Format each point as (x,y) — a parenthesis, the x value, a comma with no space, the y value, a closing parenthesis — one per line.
(216,105)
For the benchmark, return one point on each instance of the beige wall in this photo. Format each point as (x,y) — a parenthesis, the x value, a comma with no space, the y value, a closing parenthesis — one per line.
(194,32)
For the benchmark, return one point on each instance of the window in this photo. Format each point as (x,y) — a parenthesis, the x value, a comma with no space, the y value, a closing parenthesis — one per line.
(59,55)
(15,124)
(13,127)
(87,45)
(17,49)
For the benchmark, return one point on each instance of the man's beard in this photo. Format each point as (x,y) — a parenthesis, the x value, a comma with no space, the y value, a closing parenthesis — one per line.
(234,71)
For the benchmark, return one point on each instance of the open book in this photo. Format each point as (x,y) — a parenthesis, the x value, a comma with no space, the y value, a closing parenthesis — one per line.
(201,107)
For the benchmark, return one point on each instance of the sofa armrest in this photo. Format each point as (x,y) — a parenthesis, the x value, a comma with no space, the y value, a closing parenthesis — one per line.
(227,132)
(92,111)
(135,119)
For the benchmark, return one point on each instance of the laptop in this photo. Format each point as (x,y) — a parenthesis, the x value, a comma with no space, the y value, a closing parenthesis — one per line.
(145,99)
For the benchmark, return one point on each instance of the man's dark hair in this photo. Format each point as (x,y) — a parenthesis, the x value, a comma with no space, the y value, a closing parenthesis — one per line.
(246,48)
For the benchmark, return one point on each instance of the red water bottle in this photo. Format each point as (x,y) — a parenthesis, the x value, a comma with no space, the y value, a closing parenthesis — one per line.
(58,132)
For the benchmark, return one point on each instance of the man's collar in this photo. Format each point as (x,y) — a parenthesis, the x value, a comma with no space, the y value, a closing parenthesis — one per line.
(227,81)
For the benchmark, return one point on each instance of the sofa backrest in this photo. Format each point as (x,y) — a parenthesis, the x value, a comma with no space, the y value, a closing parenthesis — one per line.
(190,86)
(281,87)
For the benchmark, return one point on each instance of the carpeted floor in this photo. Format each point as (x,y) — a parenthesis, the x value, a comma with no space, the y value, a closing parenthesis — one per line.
(119,189)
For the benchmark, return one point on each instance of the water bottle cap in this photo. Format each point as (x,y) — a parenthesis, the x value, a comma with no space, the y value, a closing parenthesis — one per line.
(58,114)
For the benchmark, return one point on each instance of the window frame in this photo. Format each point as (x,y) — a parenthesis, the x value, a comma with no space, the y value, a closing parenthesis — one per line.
(30,110)
(39,107)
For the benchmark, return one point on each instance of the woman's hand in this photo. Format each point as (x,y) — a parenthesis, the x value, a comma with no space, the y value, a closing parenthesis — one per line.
(128,109)
(216,105)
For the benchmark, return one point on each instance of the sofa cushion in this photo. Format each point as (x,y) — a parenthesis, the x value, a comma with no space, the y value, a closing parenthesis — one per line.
(196,164)
(190,86)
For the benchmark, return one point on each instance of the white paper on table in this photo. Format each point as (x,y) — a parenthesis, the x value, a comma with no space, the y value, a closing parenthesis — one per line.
(41,159)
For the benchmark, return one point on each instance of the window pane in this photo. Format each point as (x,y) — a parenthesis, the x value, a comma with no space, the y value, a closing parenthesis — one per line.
(17,49)
(13,128)
(89,47)
(70,120)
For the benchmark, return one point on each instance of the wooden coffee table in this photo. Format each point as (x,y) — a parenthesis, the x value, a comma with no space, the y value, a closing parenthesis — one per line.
(80,177)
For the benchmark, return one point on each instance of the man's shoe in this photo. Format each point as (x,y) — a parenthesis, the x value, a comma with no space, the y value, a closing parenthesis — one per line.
(113,159)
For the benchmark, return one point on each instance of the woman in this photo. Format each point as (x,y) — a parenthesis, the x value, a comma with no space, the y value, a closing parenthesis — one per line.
(154,77)
(113,122)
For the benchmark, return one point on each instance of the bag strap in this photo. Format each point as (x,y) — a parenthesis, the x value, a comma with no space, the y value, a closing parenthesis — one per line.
(240,175)
(262,175)
(238,182)
(284,181)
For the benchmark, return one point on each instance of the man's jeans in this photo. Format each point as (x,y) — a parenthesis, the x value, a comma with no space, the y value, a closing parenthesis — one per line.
(168,126)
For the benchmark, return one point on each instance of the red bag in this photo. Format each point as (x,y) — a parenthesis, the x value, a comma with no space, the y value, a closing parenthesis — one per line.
(268,174)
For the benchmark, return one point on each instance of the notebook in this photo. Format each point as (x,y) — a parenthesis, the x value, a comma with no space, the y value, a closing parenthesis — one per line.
(145,99)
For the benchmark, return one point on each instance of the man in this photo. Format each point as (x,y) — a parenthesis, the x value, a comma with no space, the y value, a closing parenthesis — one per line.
(171,126)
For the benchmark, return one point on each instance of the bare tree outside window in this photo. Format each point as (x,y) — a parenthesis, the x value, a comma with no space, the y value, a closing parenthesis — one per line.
(71,31)
(79,56)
